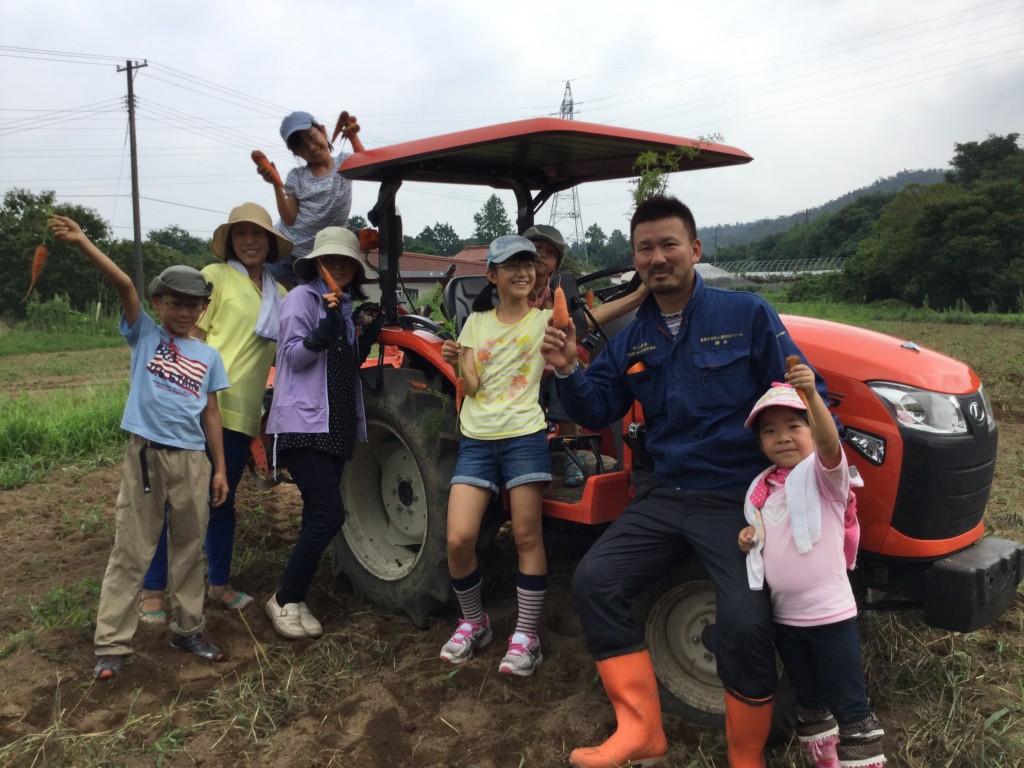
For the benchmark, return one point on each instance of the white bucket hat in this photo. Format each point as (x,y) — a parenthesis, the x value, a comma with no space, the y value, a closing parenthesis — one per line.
(330,241)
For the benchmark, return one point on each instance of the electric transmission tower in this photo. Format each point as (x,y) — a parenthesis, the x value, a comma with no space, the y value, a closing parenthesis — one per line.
(565,205)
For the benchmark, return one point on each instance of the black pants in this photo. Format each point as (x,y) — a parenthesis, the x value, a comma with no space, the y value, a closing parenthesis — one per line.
(824,664)
(652,536)
(318,476)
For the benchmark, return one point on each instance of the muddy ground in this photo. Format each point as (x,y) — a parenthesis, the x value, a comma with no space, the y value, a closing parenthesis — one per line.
(372,692)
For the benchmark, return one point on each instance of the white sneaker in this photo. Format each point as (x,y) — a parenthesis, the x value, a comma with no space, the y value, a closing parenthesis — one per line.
(469,636)
(523,655)
(286,619)
(309,622)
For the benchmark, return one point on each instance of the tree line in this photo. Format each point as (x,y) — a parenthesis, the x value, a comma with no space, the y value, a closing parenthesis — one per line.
(958,243)
(955,243)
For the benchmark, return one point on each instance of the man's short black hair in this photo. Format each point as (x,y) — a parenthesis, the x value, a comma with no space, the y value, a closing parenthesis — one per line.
(657,207)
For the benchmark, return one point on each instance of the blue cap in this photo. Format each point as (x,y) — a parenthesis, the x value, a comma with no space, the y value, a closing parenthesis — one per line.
(296,121)
(505,247)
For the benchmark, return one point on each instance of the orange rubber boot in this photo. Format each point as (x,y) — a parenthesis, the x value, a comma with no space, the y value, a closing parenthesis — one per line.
(747,724)
(639,738)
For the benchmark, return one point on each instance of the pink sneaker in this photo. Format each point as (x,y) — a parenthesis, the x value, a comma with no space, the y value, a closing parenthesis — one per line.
(469,636)
(523,655)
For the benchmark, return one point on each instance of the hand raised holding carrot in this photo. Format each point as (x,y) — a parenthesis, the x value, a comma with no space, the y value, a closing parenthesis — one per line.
(801,377)
(266,169)
(66,230)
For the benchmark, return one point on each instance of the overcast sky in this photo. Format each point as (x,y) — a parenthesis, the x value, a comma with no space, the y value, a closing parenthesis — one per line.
(827,95)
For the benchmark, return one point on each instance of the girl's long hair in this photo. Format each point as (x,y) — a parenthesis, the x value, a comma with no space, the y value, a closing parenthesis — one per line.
(485,300)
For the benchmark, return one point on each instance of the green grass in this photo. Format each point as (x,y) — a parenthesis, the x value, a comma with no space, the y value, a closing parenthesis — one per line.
(71,605)
(880,313)
(32,342)
(67,427)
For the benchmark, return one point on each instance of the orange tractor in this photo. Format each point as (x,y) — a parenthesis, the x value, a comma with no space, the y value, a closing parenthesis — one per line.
(917,425)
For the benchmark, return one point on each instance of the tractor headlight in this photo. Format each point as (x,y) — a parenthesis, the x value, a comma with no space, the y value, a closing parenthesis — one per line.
(919,409)
(871,447)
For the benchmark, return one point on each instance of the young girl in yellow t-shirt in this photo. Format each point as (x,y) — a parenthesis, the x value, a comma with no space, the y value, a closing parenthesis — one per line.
(504,442)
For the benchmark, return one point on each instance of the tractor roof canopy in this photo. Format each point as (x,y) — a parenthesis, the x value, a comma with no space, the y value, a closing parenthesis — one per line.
(533,158)
(546,154)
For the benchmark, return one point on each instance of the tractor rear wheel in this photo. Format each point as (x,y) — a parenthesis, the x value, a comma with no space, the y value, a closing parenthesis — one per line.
(393,546)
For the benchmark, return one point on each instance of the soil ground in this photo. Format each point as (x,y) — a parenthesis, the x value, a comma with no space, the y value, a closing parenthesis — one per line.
(394,704)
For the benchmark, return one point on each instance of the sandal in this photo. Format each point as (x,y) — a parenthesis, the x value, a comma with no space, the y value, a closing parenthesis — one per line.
(224,600)
(159,616)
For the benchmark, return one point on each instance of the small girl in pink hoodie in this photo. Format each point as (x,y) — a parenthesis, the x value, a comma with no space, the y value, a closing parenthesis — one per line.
(801,543)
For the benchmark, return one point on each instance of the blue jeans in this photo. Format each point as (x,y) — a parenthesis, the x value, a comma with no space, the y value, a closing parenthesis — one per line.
(318,477)
(652,536)
(510,461)
(824,665)
(220,533)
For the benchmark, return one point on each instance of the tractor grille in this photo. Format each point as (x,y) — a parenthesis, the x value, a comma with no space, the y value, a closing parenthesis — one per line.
(945,480)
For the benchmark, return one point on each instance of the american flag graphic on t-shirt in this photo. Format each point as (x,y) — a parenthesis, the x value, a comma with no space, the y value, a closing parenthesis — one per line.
(173,367)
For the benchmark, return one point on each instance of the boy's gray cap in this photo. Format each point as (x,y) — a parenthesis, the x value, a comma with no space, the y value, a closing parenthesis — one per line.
(548,234)
(505,247)
(296,121)
(182,280)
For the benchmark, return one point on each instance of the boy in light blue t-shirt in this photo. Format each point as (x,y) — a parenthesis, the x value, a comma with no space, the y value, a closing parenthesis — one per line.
(171,416)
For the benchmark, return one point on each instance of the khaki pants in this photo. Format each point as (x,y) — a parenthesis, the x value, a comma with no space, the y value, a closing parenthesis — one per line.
(181,479)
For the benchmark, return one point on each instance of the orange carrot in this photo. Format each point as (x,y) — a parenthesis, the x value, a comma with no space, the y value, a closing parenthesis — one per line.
(348,127)
(460,393)
(339,127)
(265,165)
(38,260)
(791,361)
(332,285)
(421,385)
(589,297)
(560,311)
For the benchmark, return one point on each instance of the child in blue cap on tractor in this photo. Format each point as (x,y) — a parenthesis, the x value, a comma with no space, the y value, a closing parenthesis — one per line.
(799,543)
(171,415)
(504,442)
(315,195)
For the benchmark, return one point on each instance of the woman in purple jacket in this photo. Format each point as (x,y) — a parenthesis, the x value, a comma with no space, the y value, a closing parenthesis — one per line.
(317,413)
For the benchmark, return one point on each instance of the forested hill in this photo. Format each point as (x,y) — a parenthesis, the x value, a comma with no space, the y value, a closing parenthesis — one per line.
(738,234)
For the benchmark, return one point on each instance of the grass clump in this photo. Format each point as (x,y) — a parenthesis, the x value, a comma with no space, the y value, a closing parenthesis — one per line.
(72,605)
(37,435)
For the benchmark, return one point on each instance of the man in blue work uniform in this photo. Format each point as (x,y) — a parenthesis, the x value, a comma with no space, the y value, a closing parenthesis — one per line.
(697,359)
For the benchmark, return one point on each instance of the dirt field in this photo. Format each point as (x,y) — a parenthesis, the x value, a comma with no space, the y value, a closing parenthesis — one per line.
(372,691)
(393,703)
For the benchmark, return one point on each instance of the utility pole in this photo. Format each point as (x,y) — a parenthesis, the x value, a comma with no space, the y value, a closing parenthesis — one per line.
(140,277)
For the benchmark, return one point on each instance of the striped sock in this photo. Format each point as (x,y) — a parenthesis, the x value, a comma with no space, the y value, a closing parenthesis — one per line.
(530,592)
(467,591)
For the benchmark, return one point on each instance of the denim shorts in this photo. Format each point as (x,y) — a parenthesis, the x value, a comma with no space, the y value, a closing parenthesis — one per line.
(510,461)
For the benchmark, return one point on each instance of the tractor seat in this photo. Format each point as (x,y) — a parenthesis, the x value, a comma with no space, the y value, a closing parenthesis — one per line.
(459,295)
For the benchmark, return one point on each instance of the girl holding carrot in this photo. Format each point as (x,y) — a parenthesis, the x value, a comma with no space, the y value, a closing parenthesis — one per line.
(317,414)
(800,542)
(241,322)
(504,443)
(313,196)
